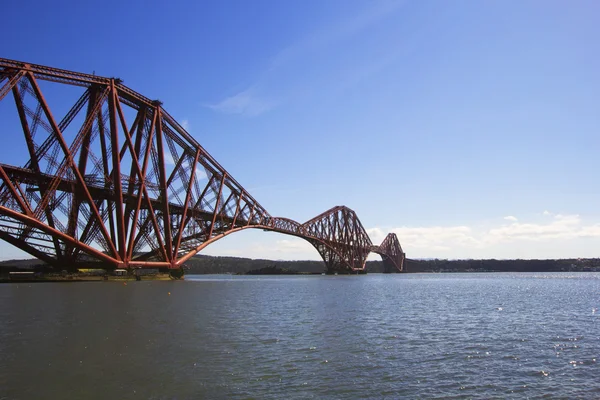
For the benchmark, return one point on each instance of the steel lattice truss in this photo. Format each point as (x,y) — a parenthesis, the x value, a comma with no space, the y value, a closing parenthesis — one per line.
(342,240)
(114,181)
(391,253)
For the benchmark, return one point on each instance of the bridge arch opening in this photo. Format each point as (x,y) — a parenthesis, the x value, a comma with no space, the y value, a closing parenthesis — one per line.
(256,245)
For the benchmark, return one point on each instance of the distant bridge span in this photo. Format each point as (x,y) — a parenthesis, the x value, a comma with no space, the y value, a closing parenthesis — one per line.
(118,183)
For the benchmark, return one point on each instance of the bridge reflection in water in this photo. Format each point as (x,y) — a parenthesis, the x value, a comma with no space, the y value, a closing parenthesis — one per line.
(116,182)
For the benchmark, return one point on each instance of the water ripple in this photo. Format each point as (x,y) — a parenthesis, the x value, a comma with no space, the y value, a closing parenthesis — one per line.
(439,336)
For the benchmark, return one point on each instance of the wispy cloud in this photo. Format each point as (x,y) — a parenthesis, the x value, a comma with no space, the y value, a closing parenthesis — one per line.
(272,87)
(335,32)
(185,124)
(511,218)
(246,103)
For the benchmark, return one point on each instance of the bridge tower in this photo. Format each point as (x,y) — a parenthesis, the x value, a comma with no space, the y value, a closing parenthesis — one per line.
(100,176)
(391,253)
(340,238)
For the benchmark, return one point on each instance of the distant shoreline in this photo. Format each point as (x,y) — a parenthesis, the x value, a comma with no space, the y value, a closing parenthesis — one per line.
(203,264)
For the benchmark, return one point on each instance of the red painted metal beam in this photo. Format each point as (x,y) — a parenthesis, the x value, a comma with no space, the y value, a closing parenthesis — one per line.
(121,215)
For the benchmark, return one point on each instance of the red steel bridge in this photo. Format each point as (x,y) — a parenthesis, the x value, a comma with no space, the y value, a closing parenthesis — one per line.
(113,181)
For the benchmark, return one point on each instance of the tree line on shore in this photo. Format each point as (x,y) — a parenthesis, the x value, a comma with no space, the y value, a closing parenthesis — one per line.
(203,264)
(493,265)
(216,265)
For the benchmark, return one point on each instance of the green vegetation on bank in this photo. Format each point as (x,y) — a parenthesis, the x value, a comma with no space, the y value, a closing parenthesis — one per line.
(202,264)
(217,265)
(436,265)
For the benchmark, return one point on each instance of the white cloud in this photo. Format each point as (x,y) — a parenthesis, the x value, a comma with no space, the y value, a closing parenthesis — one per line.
(561,227)
(560,236)
(546,212)
(436,237)
(282,249)
(286,245)
(376,234)
(464,239)
(245,103)
(511,218)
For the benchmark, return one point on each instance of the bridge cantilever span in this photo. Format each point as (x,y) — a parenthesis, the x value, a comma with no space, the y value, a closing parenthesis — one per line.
(391,252)
(111,180)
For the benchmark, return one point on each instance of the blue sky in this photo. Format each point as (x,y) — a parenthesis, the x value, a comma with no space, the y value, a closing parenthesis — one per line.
(469,128)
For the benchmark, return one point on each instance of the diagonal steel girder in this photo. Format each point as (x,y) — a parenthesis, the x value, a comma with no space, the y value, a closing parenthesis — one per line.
(113,180)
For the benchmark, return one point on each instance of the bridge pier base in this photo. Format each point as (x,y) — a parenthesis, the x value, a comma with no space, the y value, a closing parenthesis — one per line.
(176,273)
